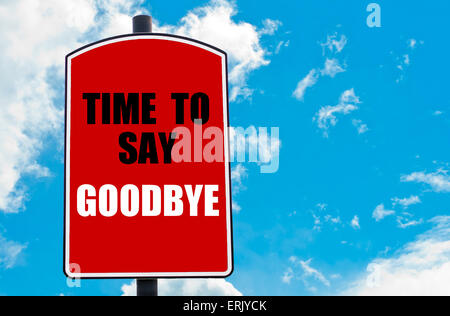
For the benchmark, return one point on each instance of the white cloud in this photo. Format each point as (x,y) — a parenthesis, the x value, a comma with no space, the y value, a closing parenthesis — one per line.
(30,49)
(413,43)
(116,16)
(188,287)
(360,126)
(214,24)
(326,116)
(238,173)
(9,252)
(307,82)
(317,223)
(331,219)
(280,45)
(287,276)
(309,271)
(355,222)
(406,202)
(334,44)
(332,68)
(404,222)
(438,113)
(380,213)
(420,268)
(236,207)
(34,48)
(270,27)
(129,289)
(404,60)
(349,97)
(321,218)
(439,180)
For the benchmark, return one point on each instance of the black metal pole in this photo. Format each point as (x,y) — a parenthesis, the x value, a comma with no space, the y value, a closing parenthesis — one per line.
(145,287)
(142,24)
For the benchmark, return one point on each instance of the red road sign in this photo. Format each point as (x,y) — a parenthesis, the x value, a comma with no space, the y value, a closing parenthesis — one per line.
(147,185)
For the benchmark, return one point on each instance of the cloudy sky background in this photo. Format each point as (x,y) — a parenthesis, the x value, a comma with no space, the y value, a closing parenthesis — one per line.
(360,202)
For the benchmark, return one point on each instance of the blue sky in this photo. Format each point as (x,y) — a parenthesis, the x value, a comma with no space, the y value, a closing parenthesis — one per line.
(293,234)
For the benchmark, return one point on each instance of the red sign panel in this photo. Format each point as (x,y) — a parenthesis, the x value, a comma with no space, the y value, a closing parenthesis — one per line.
(147,179)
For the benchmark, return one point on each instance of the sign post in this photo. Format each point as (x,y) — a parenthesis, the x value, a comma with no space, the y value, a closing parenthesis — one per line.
(144,287)
(147,171)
